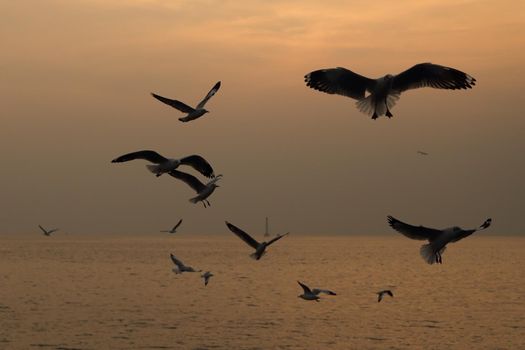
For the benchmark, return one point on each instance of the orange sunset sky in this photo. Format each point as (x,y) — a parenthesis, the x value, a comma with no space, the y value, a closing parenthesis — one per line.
(75,86)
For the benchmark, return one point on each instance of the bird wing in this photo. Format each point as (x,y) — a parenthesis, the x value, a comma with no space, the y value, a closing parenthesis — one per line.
(52,230)
(200,164)
(210,94)
(306,289)
(317,291)
(466,233)
(432,75)
(148,155)
(181,106)
(177,225)
(276,238)
(43,229)
(177,262)
(389,293)
(190,180)
(414,232)
(243,235)
(340,81)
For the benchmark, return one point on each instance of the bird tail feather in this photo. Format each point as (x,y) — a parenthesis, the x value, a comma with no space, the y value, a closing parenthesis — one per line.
(369,104)
(430,253)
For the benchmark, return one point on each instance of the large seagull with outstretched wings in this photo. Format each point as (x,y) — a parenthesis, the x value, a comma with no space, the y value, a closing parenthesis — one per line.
(384,92)
(438,239)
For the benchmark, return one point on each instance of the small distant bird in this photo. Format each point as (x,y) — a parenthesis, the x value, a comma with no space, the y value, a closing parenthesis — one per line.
(422,153)
(203,191)
(48,232)
(174,229)
(180,267)
(384,92)
(383,292)
(260,248)
(165,165)
(308,294)
(193,113)
(438,238)
(207,275)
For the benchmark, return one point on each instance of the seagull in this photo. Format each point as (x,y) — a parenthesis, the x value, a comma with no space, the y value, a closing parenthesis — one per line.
(180,267)
(384,92)
(308,294)
(165,165)
(260,248)
(174,229)
(438,238)
(207,275)
(422,153)
(48,232)
(193,113)
(383,292)
(203,191)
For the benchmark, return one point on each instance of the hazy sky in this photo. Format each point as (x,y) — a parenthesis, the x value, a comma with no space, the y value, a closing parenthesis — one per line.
(75,83)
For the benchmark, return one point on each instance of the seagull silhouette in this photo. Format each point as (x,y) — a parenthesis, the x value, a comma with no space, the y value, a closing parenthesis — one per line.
(260,248)
(203,190)
(48,232)
(192,113)
(165,165)
(385,91)
(438,239)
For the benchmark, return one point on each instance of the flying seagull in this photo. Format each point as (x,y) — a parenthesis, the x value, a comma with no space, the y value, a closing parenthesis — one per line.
(313,294)
(260,248)
(422,153)
(174,229)
(384,92)
(48,232)
(192,113)
(203,191)
(438,238)
(207,275)
(383,292)
(165,165)
(180,267)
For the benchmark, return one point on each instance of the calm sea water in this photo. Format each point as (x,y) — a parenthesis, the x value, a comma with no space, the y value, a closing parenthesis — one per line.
(78,292)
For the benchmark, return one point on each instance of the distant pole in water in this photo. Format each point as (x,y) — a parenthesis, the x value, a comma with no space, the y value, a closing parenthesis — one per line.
(267,231)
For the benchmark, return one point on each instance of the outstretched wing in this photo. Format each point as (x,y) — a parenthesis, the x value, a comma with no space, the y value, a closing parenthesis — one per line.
(276,238)
(190,180)
(148,155)
(43,230)
(210,94)
(466,233)
(340,81)
(174,103)
(51,231)
(243,235)
(306,289)
(177,225)
(414,232)
(432,75)
(317,291)
(177,262)
(200,164)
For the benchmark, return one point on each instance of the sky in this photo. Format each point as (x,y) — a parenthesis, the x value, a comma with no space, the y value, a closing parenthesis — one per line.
(76,78)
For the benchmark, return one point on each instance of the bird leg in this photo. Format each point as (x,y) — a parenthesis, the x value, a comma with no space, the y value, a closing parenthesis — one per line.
(158,174)
(203,203)
(207,201)
(374,116)
(388,114)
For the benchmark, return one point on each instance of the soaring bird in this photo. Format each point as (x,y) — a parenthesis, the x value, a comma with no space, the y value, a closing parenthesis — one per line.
(422,153)
(165,165)
(313,294)
(438,239)
(207,275)
(192,113)
(203,190)
(260,248)
(384,92)
(47,232)
(383,292)
(174,229)
(180,267)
